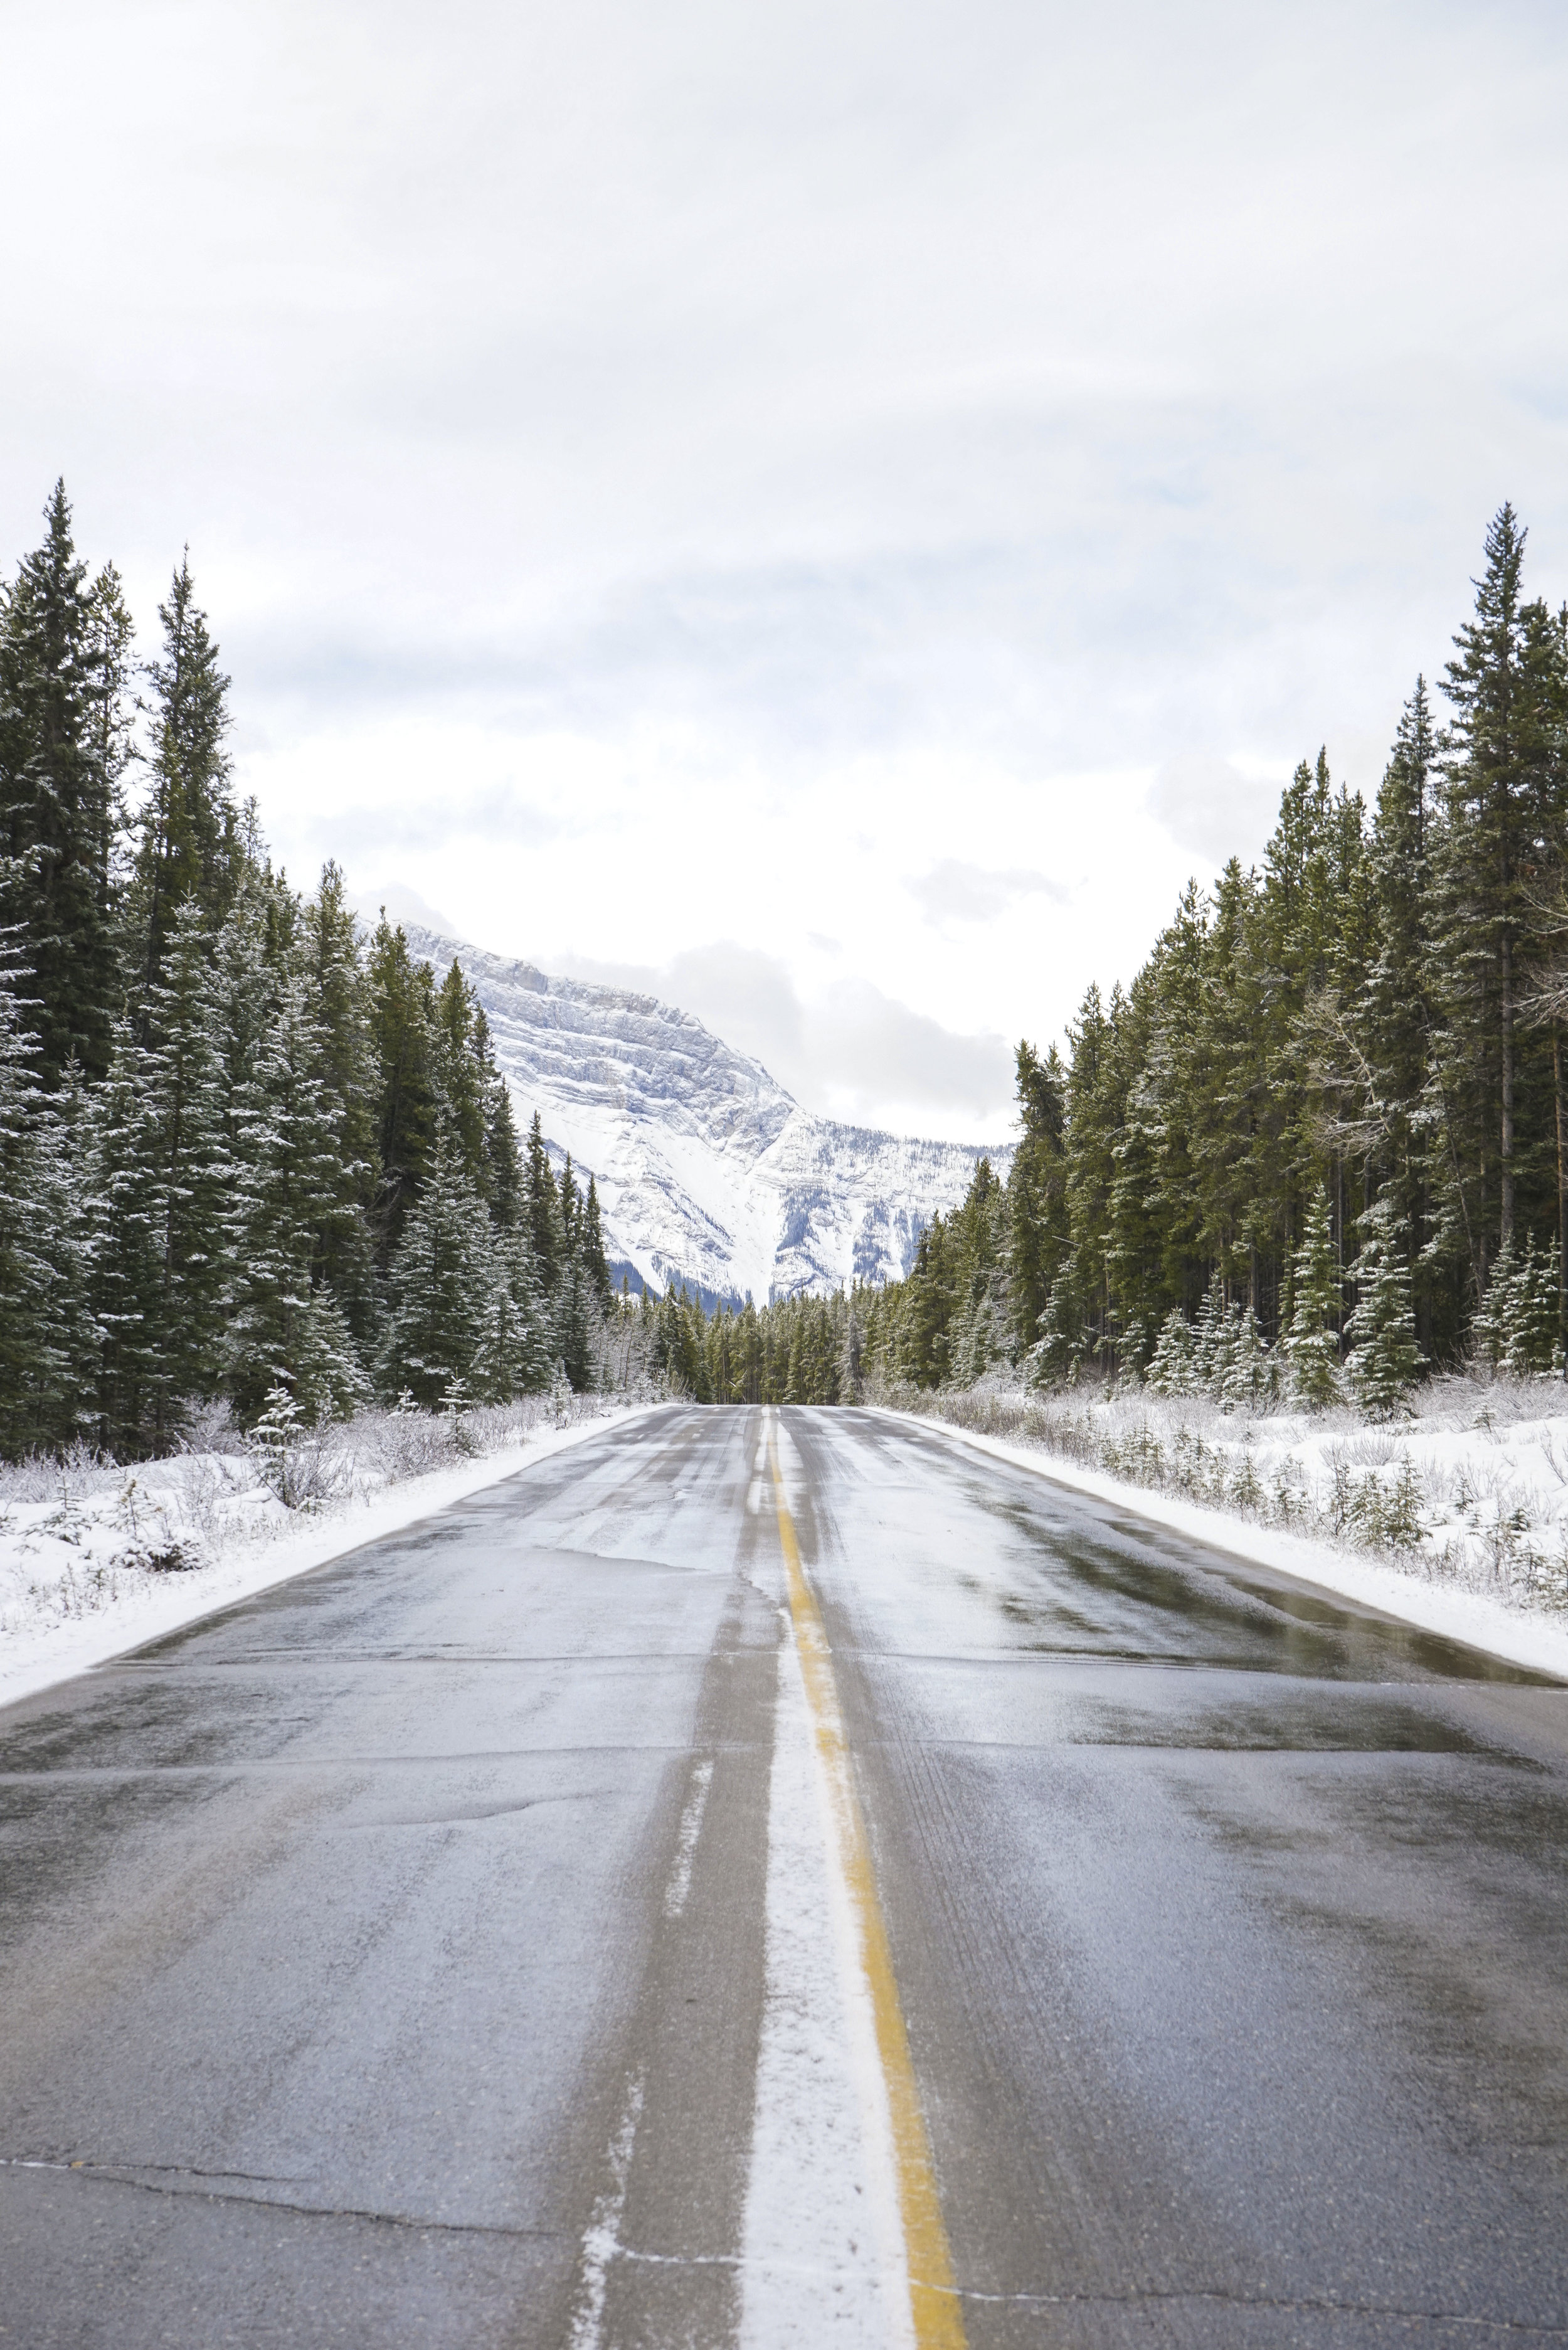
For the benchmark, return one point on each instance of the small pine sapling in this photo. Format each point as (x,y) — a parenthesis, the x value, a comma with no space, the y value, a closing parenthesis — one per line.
(1312,1341)
(1385,1360)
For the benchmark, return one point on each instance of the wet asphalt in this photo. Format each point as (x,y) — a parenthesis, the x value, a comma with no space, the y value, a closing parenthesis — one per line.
(1229,1921)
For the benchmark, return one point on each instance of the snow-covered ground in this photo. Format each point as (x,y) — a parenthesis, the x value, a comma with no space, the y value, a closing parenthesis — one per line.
(1455,1518)
(95,1560)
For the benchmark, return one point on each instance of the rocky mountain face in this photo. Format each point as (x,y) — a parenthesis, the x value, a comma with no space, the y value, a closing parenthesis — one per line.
(707,1169)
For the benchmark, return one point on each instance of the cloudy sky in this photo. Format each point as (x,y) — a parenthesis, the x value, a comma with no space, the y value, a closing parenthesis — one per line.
(833,510)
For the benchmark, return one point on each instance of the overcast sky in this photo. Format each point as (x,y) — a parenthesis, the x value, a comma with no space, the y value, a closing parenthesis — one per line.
(833,510)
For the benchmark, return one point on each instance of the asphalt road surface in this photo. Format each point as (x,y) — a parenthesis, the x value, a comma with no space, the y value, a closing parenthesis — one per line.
(785,1879)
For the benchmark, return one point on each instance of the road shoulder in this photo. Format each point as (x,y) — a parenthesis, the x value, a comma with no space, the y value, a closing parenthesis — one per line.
(1537,1641)
(36,1659)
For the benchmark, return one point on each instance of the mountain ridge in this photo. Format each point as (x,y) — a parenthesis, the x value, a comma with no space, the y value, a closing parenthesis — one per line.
(708,1171)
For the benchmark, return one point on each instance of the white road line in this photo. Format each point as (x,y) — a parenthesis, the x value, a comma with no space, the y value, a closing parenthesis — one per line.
(601,2243)
(823,2252)
(680,1884)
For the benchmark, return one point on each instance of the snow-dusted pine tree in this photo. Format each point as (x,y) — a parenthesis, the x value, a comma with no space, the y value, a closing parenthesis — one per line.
(1169,1371)
(515,1355)
(1210,1344)
(1056,1354)
(442,1287)
(1515,1329)
(164,1179)
(48,1337)
(1311,1342)
(851,1354)
(1248,1379)
(285,1188)
(1385,1360)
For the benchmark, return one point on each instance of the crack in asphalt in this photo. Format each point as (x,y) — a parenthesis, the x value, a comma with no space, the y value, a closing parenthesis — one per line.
(168,2179)
(1540,2328)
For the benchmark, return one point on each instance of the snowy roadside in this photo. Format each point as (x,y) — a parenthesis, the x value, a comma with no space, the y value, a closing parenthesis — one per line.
(81,1577)
(1459,1529)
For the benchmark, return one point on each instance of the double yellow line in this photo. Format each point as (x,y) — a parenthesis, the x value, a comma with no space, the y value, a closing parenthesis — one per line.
(933,2294)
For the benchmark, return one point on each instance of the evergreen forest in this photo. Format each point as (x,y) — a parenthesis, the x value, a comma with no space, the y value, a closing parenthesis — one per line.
(1316,1148)
(249,1157)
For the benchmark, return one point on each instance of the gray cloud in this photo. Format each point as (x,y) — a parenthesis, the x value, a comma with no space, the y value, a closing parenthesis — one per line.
(855,1051)
(880,1050)
(401,904)
(955,892)
(442,812)
(997,388)
(860,374)
(1210,807)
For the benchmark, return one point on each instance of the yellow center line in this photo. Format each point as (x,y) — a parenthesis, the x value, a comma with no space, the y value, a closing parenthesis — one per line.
(933,2295)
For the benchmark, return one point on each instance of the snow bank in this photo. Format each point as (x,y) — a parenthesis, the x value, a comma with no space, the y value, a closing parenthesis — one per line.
(96,1558)
(1455,1518)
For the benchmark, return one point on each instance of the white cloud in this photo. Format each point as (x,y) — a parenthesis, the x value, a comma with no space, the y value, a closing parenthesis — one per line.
(1209,806)
(954,891)
(667,476)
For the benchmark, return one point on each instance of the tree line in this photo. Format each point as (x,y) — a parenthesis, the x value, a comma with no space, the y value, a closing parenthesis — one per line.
(247,1155)
(1317,1145)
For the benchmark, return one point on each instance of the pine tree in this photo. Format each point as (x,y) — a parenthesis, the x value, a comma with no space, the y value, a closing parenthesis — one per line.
(571,1209)
(544,1212)
(58,800)
(47,1339)
(1055,1357)
(1515,1329)
(573,1323)
(504,1186)
(331,964)
(125,1177)
(1037,1233)
(463,1073)
(190,845)
(927,1310)
(441,1287)
(1209,1347)
(1534,1342)
(163,1175)
(1385,1361)
(1249,1379)
(1171,1369)
(513,1354)
(281,1326)
(1397,1009)
(594,1260)
(403,1052)
(749,1371)
(1311,1342)
(1504,801)
(851,1364)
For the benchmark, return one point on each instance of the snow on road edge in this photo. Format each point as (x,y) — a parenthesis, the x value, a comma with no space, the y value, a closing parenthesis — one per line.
(823,2258)
(1532,1641)
(31,1661)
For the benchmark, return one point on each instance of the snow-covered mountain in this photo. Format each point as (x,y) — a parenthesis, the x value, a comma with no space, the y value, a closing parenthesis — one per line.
(707,1169)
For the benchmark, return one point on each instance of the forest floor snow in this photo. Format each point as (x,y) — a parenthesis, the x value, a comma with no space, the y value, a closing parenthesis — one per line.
(97,1557)
(1454,1518)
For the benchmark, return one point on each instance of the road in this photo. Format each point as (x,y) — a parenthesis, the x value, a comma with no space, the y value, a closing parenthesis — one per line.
(785,1879)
